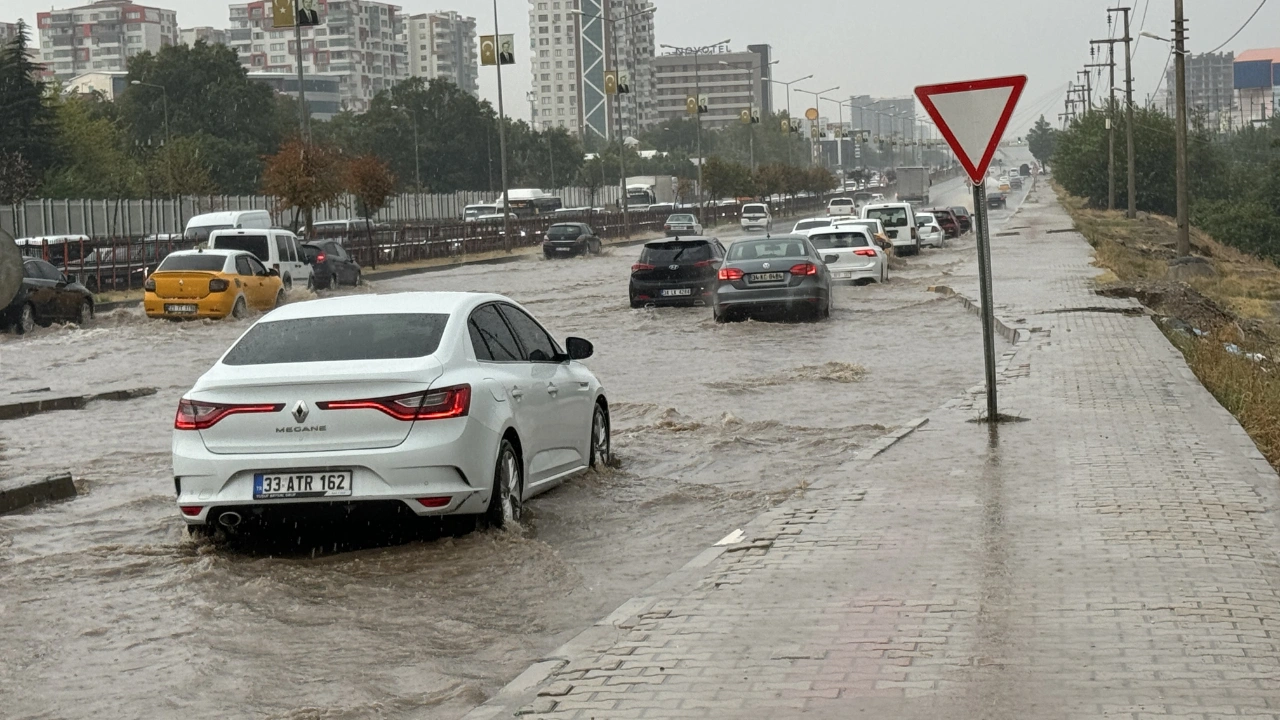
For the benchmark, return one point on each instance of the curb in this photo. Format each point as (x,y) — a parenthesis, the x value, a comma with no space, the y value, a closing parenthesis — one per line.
(71,402)
(18,494)
(1008,332)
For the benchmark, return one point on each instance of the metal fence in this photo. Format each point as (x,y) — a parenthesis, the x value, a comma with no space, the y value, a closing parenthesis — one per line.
(123,262)
(128,218)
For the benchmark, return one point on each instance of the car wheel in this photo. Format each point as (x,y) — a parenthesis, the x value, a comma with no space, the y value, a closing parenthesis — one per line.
(311,282)
(91,282)
(84,313)
(280,297)
(506,504)
(26,320)
(239,310)
(199,532)
(720,317)
(357,280)
(288,283)
(601,445)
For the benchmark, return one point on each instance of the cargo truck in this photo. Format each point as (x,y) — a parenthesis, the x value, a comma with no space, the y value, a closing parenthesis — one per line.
(913,185)
(646,190)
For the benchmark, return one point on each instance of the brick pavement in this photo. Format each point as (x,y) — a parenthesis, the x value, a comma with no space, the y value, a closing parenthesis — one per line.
(1114,555)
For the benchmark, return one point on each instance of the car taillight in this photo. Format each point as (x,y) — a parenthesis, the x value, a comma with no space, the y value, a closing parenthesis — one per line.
(702,264)
(450,402)
(730,274)
(195,415)
(638,267)
(320,258)
(218,285)
(666,227)
(149,285)
(191,510)
(865,252)
(804,269)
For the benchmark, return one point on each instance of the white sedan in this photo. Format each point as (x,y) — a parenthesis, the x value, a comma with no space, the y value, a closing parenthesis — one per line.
(808,225)
(682,225)
(851,254)
(426,403)
(931,233)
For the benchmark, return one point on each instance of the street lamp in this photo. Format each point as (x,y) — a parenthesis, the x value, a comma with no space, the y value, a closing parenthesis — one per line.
(617,106)
(417,167)
(840,156)
(815,105)
(697,102)
(165,101)
(788,85)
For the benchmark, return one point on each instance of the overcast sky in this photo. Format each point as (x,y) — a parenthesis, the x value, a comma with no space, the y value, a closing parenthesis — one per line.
(880,48)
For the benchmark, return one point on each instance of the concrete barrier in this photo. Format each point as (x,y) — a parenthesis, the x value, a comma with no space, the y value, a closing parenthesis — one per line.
(21,493)
(11,411)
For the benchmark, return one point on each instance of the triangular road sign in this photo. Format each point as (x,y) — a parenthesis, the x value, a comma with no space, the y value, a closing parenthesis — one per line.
(973,116)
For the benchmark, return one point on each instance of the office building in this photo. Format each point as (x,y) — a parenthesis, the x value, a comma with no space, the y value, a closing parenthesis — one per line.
(569,54)
(324,94)
(101,36)
(359,43)
(731,81)
(765,93)
(443,45)
(213,36)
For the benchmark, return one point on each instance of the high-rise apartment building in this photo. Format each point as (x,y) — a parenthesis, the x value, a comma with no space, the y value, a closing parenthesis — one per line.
(7,31)
(731,81)
(213,36)
(1210,87)
(101,36)
(360,43)
(569,55)
(443,45)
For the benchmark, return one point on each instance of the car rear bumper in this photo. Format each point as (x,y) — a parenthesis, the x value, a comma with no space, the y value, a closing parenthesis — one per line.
(439,459)
(650,293)
(210,306)
(761,223)
(563,248)
(728,297)
(854,273)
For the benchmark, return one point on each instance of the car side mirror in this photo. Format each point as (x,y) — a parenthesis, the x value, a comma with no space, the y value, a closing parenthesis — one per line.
(273,273)
(579,349)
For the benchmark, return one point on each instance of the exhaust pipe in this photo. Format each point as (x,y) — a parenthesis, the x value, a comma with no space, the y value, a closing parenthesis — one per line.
(229,520)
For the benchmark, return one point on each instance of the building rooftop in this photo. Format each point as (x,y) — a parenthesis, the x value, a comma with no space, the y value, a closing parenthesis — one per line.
(1271,54)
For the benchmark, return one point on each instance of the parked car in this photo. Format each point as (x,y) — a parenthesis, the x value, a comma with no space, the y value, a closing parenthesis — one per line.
(567,239)
(964,218)
(851,254)
(682,224)
(211,284)
(756,216)
(802,227)
(277,249)
(431,404)
(679,271)
(352,229)
(123,267)
(930,232)
(783,273)
(841,206)
(947,220)
(331,265)
(873,227)
(899,221)
(1015,182)
(46,296)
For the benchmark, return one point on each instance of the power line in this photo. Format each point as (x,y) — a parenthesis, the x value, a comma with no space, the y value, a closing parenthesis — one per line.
(1163,74)
(1141,26)
(1242,27)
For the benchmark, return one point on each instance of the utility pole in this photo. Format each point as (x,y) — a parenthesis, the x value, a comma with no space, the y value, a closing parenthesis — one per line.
(1128,98)
(508,241)
(1180,62)
(1088,89)
(1111,116)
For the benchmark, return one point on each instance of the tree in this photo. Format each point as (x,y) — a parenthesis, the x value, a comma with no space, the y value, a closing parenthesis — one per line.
(725,178)
(17,181)
(26,120)
(92,160)
(1043,141)
(370,181)
(303,177)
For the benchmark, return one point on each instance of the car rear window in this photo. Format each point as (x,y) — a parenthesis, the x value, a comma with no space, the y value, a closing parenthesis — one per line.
(889,217)
(256,244)
(842,201)
(675,253)
(564,231)
(681,219)
(200,233)
(340,338)
(831,241)
(811,224)
(767,249)
(193,263)
(754,210)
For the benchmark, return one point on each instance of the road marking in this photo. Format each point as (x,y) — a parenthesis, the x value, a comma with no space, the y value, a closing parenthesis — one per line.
(732,538)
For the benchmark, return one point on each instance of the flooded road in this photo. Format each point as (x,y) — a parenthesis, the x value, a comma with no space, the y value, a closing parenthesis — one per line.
(109,609)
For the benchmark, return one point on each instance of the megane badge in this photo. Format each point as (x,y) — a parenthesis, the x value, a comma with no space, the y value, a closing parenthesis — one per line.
(300,412)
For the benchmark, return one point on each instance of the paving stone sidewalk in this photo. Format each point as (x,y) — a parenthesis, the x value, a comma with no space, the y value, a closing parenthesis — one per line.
(1112,556)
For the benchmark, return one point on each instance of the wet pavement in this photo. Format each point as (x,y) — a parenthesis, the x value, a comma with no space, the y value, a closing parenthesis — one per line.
(109,609)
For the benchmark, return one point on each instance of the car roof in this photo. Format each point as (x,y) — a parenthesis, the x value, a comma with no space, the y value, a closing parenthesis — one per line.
(889,205)
(688,239)
(772,238)
(220,217)
(218,252)
(836,230)
(443,303)
(814,219)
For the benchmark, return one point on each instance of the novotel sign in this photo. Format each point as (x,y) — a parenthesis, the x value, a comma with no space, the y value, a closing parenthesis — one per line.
(708,50)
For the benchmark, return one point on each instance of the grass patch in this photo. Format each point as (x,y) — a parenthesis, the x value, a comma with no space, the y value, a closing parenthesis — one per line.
(1238,306)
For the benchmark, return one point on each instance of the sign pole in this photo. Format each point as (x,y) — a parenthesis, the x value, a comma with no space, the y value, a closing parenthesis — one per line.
(984,288)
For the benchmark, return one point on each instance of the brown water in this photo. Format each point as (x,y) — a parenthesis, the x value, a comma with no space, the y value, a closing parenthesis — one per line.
(109,609)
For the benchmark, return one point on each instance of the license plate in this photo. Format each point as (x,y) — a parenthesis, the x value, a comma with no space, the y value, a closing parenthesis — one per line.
(563,249)
(331,483)
(766,277)
(677,293)
(180,309)
(842,276)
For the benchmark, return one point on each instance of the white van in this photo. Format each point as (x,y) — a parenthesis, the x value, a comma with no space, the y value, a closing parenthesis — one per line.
(899,221)
(277,249)
(199,226)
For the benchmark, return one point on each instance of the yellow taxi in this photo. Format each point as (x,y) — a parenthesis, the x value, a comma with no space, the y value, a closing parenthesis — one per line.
(211,284)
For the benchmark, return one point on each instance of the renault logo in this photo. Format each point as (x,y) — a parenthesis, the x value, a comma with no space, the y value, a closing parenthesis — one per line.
(300,412)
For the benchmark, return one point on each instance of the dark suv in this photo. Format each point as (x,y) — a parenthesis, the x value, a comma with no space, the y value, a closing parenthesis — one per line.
(963,217)
(676,272)
(567,239)
(947,220)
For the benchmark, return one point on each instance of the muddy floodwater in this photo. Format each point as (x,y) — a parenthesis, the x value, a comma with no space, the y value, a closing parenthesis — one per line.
(109,609)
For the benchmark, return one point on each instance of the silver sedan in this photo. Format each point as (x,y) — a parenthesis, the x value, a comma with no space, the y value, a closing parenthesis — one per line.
(780,274)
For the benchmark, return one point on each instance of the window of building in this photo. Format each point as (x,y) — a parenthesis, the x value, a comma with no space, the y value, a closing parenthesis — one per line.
(542,18)
(544,41)
(546,101)
(559,63)
(544,53)
(559,76)
(546,88)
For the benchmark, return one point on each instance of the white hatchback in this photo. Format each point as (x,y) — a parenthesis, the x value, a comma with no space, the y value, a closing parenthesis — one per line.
(931,233)
(434,403)
(804,227)
(851,254)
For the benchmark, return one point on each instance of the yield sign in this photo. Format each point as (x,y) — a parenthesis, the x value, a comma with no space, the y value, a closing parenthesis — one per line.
(973,116)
